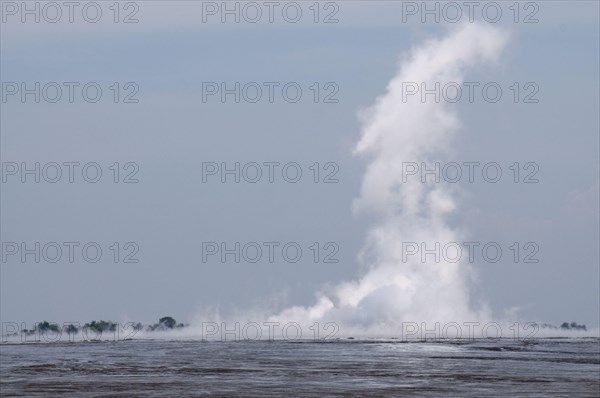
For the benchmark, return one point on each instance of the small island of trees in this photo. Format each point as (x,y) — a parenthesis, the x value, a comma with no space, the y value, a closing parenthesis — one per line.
(95,329)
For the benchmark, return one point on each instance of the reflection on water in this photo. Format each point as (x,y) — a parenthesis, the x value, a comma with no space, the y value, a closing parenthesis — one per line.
(541,367)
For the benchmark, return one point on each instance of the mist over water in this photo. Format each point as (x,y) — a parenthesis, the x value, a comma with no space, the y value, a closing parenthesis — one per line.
(397,129)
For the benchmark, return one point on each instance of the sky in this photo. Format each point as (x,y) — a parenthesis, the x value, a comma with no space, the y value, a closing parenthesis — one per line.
(170,138)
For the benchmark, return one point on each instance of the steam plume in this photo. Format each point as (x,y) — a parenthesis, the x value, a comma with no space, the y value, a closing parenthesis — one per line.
(392,290)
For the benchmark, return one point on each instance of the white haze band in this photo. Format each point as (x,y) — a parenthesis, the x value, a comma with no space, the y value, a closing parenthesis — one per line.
(261,331)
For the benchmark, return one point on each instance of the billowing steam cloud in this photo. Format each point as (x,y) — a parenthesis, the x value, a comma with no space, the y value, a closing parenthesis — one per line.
(395,289)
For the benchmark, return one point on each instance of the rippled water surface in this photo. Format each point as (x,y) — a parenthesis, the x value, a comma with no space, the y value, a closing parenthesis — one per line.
(543,367)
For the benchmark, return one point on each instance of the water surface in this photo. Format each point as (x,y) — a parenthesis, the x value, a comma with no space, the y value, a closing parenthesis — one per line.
(392,368)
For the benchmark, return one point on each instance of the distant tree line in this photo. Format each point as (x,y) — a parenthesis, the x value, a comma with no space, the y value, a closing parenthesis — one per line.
(572,326)
(565,326)
(101,326)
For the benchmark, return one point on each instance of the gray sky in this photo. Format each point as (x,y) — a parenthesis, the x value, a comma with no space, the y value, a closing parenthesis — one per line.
(170,132)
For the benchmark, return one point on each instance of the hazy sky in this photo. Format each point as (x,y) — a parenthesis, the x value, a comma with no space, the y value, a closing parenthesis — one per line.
(169,136)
